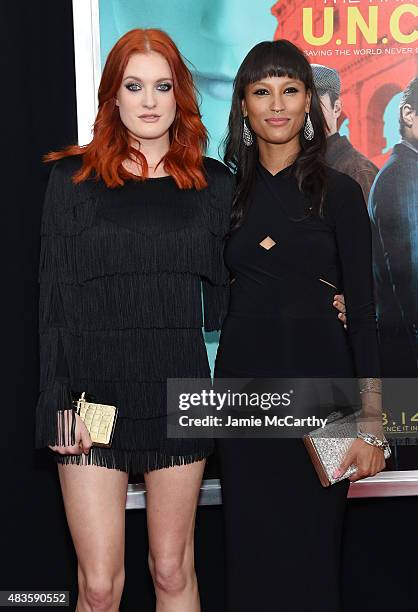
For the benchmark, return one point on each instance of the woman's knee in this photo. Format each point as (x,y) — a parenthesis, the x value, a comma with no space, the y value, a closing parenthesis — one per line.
(101,591)
(171,573)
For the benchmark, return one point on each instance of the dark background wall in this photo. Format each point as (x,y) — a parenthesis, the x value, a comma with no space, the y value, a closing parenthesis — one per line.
(38,115)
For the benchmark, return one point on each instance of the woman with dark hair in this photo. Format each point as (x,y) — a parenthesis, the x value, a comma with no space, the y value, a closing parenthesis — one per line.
(132,223)
(300,230)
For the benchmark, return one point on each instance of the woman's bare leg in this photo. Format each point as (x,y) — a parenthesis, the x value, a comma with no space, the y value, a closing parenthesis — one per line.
(95,501)
(172,495)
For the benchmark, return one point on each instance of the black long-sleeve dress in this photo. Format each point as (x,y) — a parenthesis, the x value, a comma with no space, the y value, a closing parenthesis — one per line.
(283,529)
(122,274)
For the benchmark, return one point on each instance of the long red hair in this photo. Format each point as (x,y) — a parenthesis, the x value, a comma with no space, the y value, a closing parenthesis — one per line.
(111,145)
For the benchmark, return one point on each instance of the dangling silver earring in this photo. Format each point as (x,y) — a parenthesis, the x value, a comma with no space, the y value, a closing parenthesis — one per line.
(247,137)
(308,130)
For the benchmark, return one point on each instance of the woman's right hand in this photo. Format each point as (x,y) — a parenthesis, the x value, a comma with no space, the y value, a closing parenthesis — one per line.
(83,441)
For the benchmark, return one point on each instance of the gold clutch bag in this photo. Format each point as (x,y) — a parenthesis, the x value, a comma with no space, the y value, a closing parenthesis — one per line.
(100,420)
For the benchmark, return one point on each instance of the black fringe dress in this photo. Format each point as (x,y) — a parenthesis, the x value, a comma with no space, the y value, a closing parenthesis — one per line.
(122,274)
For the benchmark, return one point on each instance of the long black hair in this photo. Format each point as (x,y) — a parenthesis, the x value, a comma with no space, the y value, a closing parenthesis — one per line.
(268,59)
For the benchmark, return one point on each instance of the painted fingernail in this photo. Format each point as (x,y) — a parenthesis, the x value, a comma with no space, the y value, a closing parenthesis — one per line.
(337,473)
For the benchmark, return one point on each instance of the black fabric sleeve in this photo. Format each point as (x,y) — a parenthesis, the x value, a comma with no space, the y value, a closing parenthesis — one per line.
(353,233)
(354,240)
(216,294)
(215,300)
(55,420)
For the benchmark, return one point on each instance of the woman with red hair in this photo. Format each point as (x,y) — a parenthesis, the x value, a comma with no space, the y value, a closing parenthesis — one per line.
(132,229)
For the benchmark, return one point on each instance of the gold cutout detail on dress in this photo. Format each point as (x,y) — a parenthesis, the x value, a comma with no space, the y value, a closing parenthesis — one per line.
(267,243)
(327,283)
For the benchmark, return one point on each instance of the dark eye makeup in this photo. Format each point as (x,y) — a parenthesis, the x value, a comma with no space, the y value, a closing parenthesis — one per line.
(136,86)
(262,90)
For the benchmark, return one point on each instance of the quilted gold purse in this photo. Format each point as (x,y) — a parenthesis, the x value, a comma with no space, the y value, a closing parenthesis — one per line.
(100,420)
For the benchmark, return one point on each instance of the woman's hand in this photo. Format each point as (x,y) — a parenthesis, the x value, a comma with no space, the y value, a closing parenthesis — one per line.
(339,304)
(82,437)
(369,460)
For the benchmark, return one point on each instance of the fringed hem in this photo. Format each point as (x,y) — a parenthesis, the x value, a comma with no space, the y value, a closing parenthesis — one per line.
(133,462)
(55,417)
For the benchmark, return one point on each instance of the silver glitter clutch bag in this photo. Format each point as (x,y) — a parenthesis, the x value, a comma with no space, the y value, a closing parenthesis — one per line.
(327,447)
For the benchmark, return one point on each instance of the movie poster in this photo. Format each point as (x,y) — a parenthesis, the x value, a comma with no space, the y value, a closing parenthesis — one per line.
(364,55)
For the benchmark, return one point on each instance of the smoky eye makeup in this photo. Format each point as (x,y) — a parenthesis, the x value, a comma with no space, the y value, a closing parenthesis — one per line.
(161,86)
(132,86)
(165,86)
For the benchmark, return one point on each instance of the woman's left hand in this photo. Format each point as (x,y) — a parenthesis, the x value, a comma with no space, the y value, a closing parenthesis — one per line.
(369,460)
(339,304)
